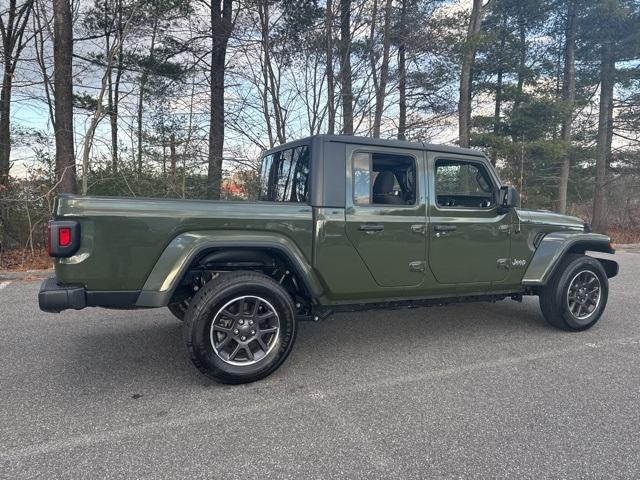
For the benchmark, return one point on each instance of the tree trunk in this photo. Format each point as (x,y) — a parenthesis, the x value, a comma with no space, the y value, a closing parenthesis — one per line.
(12,34)
(569,97)
(264,94)
(143,82)
(384,70)
(5,124)
(143,86)
(402,75)
(110,101)
(39,50)
(273,83)
(610,86)
(522,38)
(63,94)
(345,67)
(499,80)
(607,82)
(331,107)
(97,115)
(220,31)
(468,57)
(114,91)
(172,156)
(113,120)
(498,107)
(164,155)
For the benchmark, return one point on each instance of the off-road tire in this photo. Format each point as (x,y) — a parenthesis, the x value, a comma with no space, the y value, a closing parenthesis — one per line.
(179,310)
(203,308)
(553,296)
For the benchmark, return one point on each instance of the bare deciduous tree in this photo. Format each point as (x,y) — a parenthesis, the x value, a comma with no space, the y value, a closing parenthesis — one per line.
(569,97)
(468,57)
(221,27)
(328,32)
(13,23)
(345,67)
(381,90)
(63,94)
(402,73)
(607,83)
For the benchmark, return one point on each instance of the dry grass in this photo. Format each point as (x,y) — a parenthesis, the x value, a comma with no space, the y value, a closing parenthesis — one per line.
(624,236)
(21,260)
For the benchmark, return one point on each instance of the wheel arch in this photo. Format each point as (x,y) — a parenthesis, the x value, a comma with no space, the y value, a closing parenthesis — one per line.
(555,246)
(193,248)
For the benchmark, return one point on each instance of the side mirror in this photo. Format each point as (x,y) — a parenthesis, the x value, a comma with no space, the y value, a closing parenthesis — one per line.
(507,199)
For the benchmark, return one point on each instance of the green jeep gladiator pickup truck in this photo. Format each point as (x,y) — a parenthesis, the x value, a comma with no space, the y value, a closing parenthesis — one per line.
(343,223)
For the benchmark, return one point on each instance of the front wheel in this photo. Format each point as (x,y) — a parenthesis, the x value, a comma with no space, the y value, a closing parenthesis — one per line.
(576,294)
(179,309)
(240,327)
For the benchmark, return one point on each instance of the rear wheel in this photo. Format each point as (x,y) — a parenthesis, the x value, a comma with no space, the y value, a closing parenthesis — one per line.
(240,327)
(576,294)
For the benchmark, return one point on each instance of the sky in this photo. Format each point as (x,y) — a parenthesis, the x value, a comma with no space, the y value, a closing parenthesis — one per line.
(29,110)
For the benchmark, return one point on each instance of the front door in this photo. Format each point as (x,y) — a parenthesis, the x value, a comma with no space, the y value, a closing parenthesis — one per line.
(469,240)
(386,212)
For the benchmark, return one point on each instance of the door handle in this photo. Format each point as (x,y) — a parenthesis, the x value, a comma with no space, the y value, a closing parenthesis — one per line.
(419,228)
(371,227)
(445,228)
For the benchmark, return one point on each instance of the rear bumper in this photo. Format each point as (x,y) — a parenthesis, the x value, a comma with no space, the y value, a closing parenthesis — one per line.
(55,298)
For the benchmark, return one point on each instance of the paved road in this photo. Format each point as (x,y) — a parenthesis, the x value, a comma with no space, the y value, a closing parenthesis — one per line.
(485,390)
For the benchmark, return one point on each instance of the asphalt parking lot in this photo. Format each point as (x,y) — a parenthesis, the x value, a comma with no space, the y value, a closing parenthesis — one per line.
(479,390)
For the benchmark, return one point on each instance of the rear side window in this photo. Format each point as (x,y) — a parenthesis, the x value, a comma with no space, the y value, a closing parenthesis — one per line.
(384,179)
(284,176)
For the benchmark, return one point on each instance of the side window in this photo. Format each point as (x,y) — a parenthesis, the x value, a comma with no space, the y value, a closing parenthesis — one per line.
(362,178)
(265,176)
(461,184)
(300,182)
(284,176)
(384,179)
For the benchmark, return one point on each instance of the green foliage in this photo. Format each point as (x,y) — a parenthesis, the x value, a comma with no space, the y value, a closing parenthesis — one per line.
(84,101)
(298,16)
(518,70)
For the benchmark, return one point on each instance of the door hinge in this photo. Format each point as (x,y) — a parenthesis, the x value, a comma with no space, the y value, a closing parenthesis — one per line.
(505,229)
(503,263)
(417,266)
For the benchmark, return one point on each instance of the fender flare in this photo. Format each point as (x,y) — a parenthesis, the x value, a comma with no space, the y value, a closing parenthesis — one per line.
(554,246)
(178,256)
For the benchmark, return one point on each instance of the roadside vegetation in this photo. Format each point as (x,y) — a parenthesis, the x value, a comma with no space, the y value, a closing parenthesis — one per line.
(177,98)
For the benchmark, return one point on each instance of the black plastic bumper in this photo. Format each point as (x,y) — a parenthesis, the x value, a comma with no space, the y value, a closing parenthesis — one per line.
(55,298)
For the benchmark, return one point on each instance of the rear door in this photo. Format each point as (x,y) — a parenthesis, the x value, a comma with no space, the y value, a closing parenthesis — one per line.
(386,212)
(469,239)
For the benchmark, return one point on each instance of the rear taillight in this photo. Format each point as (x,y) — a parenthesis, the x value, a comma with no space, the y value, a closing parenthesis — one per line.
(64,238)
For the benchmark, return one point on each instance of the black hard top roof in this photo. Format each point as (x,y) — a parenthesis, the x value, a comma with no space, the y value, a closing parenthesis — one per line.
(434,147)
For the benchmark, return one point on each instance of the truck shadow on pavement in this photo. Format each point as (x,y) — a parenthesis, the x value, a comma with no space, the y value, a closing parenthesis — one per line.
(146,349)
